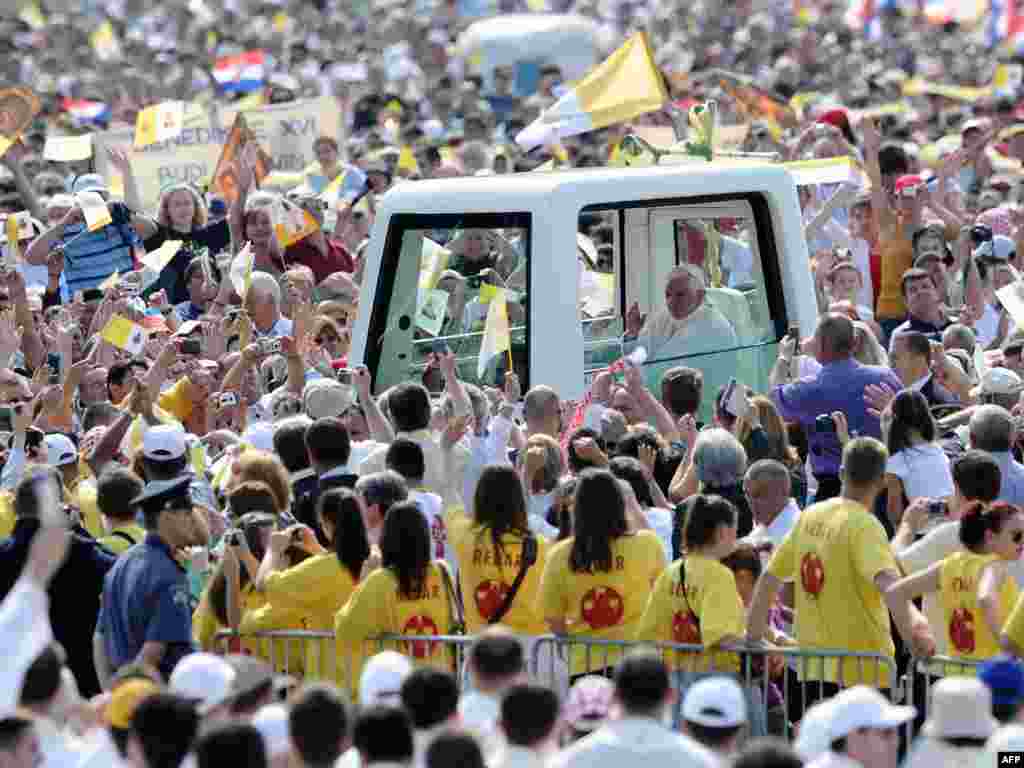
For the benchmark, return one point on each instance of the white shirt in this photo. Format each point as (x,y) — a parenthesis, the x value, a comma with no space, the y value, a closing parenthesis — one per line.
(25,627)
(704,330)
(634,742)
(519,757)
(834,760)
(660,521)
(738,260)
(923,470)
(779,528)
(491,448)
(439,478)
(479,714)
(432,507)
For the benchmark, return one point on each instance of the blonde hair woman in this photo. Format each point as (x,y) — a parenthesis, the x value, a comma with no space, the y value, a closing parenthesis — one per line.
(763,435)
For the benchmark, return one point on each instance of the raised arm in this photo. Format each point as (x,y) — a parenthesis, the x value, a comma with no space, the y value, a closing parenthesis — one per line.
(380,428)
(38,252)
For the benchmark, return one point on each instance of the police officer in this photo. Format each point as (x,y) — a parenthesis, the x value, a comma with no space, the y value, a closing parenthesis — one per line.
(146,614)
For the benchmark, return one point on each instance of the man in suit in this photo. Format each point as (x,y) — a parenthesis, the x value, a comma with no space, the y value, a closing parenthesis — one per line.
(911,359)
(76,588)
(329,449)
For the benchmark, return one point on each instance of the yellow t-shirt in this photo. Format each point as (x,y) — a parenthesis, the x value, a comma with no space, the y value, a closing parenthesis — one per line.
(119,544)
(92,521)
(600,605)
(710,609)
(833,554)
(484,584)
(1014,627)
(313,592)
(7,516)
(967,633)
(376,608)
(205,624)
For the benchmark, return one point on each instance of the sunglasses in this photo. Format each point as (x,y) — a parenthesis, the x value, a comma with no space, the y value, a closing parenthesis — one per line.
(1018,537)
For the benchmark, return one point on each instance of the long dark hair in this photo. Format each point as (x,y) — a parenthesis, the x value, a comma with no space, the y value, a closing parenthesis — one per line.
(217,597)
(499,505)
(705,514)
(978,519)
(599,519)
(910,413)
(405,547)
(632,471)
(340,507)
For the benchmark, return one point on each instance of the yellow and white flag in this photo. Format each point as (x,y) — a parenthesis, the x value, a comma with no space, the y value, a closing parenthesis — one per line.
(497,338)
(624,85)
(158,259)
(159,123)
(94,209)
(124,334)
(104,42)
(241,270)
(433,261)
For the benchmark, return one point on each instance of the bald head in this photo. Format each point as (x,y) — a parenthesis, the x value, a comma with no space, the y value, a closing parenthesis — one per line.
(541,411)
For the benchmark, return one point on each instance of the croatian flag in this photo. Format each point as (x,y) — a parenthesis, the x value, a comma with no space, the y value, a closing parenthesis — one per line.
(1005,25)
(242,73)
(86,112)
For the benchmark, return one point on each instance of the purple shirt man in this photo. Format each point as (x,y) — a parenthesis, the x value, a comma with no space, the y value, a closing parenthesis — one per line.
(838,386)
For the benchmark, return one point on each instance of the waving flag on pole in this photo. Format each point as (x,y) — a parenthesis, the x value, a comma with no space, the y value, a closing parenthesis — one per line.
(497,338)
(242,73)
(624,85)
(159,123)
(124,334)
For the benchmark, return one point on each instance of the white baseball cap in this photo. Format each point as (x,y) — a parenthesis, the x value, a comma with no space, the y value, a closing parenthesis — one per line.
(715,702)
(272,723)
(998,381)
(60,450)
(204,677)
(382,678)
(164,442)
(864,707)
(814,738)
(961,708)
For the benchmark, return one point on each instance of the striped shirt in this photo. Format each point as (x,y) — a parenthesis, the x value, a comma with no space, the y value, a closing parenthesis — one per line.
(95,256)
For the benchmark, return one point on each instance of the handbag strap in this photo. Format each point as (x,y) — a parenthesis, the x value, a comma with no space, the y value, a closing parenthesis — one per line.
(454,601)
(526,559)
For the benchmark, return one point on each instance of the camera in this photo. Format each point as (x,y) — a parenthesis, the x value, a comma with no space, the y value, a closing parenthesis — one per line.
(227,400)
(233,538)
(53,363)
(297,535)
(937,508)
(824,423)
(190,347)
(270,346)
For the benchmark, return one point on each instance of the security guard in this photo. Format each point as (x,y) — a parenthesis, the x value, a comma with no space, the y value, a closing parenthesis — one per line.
(146,613)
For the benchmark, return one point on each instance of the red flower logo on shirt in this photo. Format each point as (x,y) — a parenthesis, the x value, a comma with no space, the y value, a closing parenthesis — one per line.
(420,625)
(489,596)
(812,574)
(685,628)
(602,607)
(961,630)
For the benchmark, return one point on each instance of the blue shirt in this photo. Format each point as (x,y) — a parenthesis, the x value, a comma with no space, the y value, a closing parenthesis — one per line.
(187,311)
(838,386)
(146,599)
(94,256)
(1011,486)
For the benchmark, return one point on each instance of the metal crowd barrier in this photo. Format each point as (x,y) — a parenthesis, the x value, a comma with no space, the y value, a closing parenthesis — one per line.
(771,676)
(312,655)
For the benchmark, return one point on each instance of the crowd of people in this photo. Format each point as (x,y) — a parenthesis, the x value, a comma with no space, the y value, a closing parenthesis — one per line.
(471,575)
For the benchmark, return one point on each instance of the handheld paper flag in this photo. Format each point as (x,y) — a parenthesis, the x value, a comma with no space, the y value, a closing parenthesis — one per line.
(124,334)
(158,259)
(11,230)
(105,43)
(497,338)
(95,210)
(624,85)
(159,123)
(241,270)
